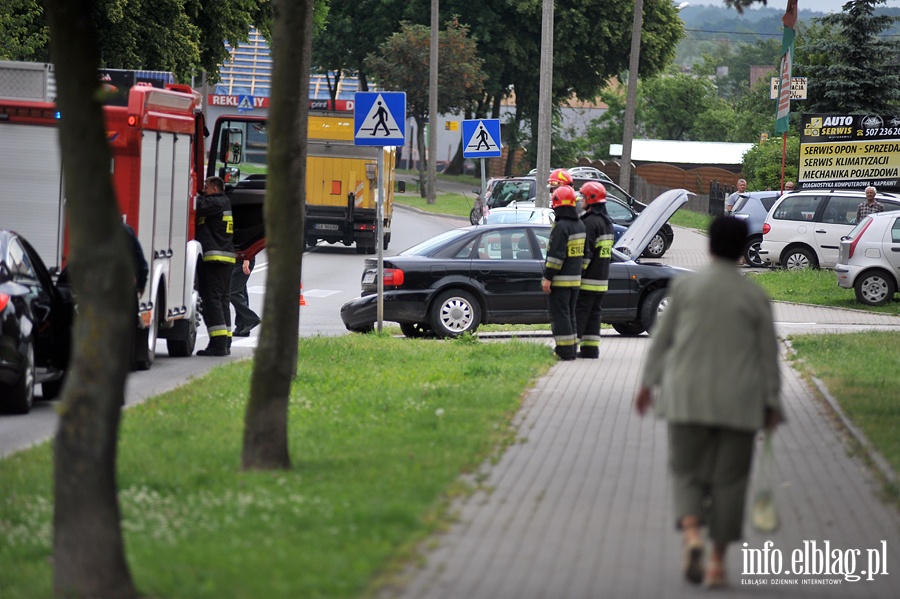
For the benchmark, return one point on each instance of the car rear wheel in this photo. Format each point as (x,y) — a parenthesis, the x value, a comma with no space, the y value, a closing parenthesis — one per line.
(874,288)
(751,252)
(657,246)
(798,258)
(628,329)
(454,313)
(414,330)
(21,392)
(653,307)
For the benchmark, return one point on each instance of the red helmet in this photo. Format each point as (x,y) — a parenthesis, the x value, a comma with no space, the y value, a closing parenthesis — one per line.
(563,196)
(593,192)
(559,177)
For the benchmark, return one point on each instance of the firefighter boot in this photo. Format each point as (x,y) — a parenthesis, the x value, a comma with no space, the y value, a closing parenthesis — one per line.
(218,346)
(228,346)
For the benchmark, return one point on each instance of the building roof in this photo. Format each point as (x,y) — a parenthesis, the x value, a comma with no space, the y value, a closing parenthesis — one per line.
(683,152)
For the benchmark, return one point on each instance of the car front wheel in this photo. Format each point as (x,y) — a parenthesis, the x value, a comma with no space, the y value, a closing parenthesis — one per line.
(874,288)
(21,393)
(799,258)
(653,307)
(454,313)
(628,329)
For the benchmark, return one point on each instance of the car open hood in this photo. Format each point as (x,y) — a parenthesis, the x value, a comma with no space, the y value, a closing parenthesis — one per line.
(634,241)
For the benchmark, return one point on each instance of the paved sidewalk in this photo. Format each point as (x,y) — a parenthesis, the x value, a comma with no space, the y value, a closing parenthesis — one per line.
(580,507)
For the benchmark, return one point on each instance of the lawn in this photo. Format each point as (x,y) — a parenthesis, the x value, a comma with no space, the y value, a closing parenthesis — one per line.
(380,430)
(814,286)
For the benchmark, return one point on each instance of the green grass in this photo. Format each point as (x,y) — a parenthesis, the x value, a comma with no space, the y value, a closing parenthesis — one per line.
(380,431)
(446,203)
(691,219)
(860,371)
(818,287)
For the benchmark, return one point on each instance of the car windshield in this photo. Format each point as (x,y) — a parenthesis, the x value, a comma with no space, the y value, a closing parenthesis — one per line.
(505,192)
(426,247)
(520,215)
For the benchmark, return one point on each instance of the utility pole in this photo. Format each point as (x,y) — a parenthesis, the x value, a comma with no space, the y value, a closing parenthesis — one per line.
(631,95)
(433,106)
(545,95)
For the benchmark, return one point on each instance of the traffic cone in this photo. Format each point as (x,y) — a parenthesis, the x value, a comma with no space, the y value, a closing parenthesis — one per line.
(302,301)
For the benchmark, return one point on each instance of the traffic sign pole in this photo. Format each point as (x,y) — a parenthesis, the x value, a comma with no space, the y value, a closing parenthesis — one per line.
(379,237)
(483,188)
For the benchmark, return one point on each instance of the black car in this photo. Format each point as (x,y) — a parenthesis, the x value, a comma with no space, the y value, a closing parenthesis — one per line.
(35,326)
(462,278)
(623,208)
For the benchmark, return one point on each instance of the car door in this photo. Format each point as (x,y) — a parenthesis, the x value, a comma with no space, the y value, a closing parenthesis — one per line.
(836,219)
(891,244)
(506,268)
(38,301)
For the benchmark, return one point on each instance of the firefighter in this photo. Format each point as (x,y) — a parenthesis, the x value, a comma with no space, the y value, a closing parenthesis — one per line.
(562,270)
(214,231)
(558,178)
(598,242)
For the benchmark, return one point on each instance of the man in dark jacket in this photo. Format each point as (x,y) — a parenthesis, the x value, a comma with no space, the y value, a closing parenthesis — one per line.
(214,231)
(562,271)
(598,242)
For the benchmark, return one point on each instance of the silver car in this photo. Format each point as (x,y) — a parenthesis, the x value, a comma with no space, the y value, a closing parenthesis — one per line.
(869,259)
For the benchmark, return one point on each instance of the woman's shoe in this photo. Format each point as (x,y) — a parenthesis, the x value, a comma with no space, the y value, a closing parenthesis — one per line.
(693,561)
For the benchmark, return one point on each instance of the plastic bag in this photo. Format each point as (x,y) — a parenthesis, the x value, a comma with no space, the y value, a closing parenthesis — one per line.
(763,512)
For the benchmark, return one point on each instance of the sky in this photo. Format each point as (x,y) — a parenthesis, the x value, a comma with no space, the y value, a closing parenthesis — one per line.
(819,5)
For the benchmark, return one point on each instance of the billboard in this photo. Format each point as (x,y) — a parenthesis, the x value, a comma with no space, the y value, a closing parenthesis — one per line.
(850,150)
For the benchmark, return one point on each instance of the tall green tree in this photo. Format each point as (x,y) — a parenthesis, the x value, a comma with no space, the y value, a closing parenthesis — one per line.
(854,71)
(275,363)
(762,163)
(681,106)
(88,551)
(402,64)
(23,31)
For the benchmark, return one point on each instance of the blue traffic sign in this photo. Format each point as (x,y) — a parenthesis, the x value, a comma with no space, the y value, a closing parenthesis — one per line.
(481,138)
(379,118)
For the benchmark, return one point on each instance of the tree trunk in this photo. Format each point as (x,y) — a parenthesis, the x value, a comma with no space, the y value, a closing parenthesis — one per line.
(275,363)
(88,551)
(420,143)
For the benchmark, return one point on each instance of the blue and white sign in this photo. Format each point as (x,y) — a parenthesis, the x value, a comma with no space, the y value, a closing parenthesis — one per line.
(481,138)
(245,103)
(379,118)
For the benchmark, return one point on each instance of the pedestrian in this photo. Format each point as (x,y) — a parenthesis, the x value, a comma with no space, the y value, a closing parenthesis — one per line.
(562,270)
(598,242)
(733,198)
(245,319)
(713,369)
(870,206)
(789,186)
(214,231)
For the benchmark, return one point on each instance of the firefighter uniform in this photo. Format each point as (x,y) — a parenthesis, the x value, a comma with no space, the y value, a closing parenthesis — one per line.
(599,234)
(562,269)
(214,231)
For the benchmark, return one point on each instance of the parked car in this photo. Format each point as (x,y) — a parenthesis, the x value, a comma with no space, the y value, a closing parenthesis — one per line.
(452,283)
(752,207)
(804,228)
(524,189)
(869,260)
(526,212)
(589,172)
(35,326)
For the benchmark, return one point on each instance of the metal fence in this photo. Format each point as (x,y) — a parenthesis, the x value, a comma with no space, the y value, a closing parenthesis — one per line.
(717,194)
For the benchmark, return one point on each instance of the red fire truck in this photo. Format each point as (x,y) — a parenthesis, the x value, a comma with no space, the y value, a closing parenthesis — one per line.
(155,130)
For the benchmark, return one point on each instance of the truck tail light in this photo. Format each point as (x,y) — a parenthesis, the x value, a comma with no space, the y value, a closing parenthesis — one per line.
(393,277)
(766,228)
(858,237)
(4,299)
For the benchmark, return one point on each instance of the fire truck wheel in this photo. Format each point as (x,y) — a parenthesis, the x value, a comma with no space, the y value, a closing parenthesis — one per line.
(183,338)
(145,341)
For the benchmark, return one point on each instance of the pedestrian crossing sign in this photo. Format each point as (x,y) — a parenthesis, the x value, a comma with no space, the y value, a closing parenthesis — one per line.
(379,118)
(481,138)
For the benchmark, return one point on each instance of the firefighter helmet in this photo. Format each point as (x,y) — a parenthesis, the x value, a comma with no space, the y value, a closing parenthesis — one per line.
(593,192)
(559,177)
(563,196)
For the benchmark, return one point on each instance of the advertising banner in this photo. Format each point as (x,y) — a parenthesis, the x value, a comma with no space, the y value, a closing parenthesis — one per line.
(852,150)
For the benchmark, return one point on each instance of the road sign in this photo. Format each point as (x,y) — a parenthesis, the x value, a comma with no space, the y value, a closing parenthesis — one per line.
(798,88)
(379,118)
(481,138)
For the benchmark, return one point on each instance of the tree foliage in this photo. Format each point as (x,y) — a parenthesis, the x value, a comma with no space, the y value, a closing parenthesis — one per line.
(681,106)
(402,63)
(762,163)
(854,70)
(23,31)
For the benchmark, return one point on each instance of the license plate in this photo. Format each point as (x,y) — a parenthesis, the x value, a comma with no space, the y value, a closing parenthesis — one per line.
(325,227)
(369,277)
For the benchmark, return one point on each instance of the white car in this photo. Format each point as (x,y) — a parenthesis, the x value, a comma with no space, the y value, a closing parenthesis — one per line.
(518,212)
(869,260)
(804,228)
